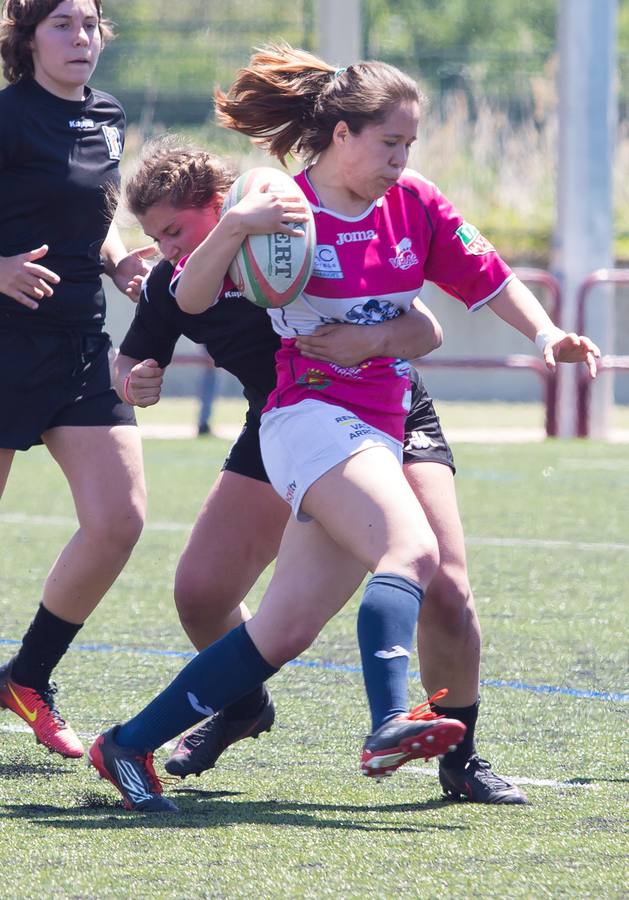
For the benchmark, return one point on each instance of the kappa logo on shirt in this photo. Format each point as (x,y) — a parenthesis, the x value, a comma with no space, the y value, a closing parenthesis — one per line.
(114,141)
(326,262)
(82,124)
(404,257)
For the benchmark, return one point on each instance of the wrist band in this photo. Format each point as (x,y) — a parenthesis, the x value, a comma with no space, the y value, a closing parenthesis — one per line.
(544,337)
(125,390)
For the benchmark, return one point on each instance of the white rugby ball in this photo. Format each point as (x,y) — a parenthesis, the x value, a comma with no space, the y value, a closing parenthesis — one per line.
(271,270)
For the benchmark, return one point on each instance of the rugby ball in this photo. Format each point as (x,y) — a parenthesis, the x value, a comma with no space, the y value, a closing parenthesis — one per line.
(271,270)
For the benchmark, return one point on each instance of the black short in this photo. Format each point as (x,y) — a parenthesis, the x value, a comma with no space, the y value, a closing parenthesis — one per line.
(51,379)
(245,457)
(423,441)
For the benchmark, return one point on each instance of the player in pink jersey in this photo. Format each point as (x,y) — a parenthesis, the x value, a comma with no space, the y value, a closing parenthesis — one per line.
(331,436)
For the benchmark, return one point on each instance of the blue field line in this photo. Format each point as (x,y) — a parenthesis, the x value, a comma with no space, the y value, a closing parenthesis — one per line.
(617,696)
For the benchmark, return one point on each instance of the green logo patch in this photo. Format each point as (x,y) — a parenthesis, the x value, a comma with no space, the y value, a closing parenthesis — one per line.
(473,240)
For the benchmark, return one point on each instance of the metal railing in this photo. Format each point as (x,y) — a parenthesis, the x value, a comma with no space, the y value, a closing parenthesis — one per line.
(519,360)
(608,362)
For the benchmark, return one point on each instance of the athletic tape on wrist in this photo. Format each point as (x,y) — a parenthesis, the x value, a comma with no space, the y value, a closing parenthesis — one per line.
(549,336)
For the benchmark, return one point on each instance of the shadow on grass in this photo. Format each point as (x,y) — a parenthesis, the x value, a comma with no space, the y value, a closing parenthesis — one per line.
(25,770)
(213,811)
(597,781)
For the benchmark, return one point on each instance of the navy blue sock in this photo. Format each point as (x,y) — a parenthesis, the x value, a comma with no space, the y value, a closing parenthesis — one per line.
(387,619)
(216,677)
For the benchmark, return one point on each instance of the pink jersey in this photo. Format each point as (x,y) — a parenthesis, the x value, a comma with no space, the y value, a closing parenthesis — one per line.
(368,269)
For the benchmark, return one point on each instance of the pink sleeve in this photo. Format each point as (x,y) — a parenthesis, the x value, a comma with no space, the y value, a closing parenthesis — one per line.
(460,260)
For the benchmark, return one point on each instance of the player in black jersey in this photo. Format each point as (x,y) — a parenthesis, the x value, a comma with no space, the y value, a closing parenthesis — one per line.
(60,148)
(174,195)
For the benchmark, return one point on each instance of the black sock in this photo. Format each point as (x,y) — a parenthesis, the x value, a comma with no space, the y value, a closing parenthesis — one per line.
(247,706)
(456,759)
(43,645)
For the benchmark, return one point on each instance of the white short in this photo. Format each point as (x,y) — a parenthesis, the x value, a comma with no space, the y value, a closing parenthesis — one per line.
(300,443)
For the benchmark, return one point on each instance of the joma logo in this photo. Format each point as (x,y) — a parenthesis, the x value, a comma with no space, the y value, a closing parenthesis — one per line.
(351,237)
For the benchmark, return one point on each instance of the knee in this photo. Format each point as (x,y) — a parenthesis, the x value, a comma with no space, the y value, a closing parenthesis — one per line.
(417,559)
(191,597)
(293,639)
(119,532)
(425,560)
(449,602)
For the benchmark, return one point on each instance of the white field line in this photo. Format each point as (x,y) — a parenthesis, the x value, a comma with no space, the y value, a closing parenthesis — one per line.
(540,543)
(410,770)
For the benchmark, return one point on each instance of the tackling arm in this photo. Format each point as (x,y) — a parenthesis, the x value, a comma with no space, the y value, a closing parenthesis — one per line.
(408,336)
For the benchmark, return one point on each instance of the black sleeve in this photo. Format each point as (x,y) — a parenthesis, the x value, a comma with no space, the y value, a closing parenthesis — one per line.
(8,131)
(154,330)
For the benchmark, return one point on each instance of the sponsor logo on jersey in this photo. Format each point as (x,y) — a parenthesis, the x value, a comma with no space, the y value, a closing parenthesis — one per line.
(419,440)
(353,237)
(473,240)
(349,371)
(401,367)
(82,124)
(114,141)
(372,312)
(314,378)
(404,257)
(326,262)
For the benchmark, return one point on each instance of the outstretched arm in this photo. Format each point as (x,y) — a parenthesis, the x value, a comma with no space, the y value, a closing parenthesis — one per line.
(410,335)
(518,307)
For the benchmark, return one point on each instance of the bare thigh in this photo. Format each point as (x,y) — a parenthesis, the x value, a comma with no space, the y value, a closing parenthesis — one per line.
(367,506)
(313,579)
(104,468)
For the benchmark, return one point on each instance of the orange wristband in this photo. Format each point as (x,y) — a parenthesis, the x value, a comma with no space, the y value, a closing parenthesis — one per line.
(125,389)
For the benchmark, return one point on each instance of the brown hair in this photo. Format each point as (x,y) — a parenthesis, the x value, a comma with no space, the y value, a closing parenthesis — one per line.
(19,20)
(182,175)
(290,101)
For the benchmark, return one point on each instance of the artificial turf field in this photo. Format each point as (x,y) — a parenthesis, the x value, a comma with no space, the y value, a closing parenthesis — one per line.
(288,815)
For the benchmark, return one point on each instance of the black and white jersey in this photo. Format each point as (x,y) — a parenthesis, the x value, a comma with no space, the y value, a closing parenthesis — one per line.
(237,334)
(58,174)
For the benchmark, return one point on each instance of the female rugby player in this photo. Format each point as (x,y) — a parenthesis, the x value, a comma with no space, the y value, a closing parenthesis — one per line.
(333,452)
(60,148)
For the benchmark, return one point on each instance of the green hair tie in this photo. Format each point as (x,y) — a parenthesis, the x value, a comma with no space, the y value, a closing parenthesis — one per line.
(340,71)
